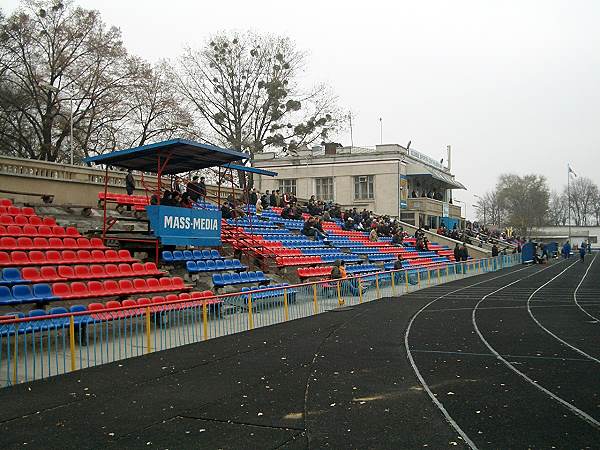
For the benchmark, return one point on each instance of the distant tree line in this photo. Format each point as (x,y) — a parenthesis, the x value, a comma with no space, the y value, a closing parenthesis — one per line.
(526,202)
(240,90)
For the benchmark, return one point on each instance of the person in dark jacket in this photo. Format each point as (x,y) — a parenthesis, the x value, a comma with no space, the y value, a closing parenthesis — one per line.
(253,197)
(129,182)
(494,251)
(273,199)
(464,252)
(457,254)
(193,189)
(582,252)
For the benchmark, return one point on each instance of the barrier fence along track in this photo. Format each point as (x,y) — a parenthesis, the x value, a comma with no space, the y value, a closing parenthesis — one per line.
(33,348)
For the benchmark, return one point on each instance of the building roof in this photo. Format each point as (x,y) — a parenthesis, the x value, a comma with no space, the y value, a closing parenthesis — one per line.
(424,170)
(169,157)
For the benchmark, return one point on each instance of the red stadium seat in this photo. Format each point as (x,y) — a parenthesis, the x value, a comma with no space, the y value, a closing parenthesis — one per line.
(98,256)
(49,221)
(111,256)
(82,272)
(20,258)
(21,220)
(3,231)
(96,289)
(66,272)
(29,230)
(14,210)
(84,243)
(8,243)
(24,243)
(27,211)
(72,231)
(126,287)
(69,257)
(172,297)
(45,231)
(125,256)
(79,289)
(153,285)
(166,284)
(58,231)
(112,271)
(40,243)
(84,256)
(178,283)
(185,296)
(53,257)
(5,259)
(97,271)
(62,290)
(140,285)
(144,301)
(138,269)
(70,243)
(151,268)
(129,303)
(113,304)
(55,243)
(3,210)
(111,287)
(6,220)
(31,274)
(96,243)
(94,307)
(125,270)
(35,221)
(49,273)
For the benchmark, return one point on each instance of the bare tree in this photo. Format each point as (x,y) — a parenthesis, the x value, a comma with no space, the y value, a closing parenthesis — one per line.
(583,195)
(489,209)
(245,88)
(558,209)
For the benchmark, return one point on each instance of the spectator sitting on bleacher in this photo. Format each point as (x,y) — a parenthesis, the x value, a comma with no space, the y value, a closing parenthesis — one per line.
(373,235)
(259,208)
(202,188)
(193,189)
(186,201)
(273,199)
(398,263)
(129,185)
(313,228)
(226,211)
(397,238)
(286,212)
(348,224)
(253,197)
(167,199)
(338,270)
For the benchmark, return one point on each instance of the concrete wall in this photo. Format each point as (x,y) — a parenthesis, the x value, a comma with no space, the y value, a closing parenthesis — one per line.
(561,233)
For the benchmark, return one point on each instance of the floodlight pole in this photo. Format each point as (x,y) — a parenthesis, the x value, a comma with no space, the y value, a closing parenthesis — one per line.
(569,198)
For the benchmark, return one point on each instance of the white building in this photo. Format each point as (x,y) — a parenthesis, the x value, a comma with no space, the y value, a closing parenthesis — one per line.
(387,179)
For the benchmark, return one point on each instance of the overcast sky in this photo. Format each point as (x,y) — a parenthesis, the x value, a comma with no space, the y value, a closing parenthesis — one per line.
(513,86)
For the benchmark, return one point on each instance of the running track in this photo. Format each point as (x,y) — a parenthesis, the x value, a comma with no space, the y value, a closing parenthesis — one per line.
(500,361)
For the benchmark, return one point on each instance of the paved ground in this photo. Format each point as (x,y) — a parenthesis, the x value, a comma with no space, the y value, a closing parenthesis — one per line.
(503,360)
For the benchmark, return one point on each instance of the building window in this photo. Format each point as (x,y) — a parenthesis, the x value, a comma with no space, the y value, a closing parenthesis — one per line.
(363,187)
(324,189)
(288,186)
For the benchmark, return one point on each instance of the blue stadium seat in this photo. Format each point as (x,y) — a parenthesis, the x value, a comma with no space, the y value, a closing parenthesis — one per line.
(167,256)
(191,266)
(228,264)
(177,255)
(11,275)
(245,277)
(235,278)
(82,318)
(237,264)
(260,276)
(43,291)
(205,254)
(197,254)
(6,297)
(59,321)
(220,265)
(214,254)
(218,279)
(210,265)
(187,255)
(22,293)
(201,266)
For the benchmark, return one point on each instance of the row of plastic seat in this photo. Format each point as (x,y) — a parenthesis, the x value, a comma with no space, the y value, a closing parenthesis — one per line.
(41,292)
(272,291)
(230,279)
(124,199)
(47,274)
(189,255)
(307,272)
(5,202)
(22,220)
(213,265)
(53,243)
(37,230)
(54,257)
(15,210)
(380,257)
(298,261)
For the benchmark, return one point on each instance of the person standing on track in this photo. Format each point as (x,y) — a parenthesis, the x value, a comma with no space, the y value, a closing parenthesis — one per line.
(566,250)
(582,252)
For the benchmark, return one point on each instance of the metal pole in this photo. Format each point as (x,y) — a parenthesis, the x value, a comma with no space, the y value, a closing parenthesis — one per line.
(381,130)
(71,131)
(569,198)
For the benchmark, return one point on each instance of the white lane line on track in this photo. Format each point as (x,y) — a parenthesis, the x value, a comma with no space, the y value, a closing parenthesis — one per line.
(581,414)
(433,398)
(562,341)
(579,285)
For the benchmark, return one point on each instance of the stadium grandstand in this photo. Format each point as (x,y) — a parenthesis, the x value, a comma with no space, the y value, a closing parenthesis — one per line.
(86,289)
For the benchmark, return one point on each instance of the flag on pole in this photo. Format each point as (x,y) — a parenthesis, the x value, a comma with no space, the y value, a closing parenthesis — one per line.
(572,171)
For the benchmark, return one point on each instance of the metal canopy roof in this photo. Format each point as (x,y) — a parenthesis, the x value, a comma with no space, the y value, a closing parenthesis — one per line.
(267,173)
(175,155)
(425,171)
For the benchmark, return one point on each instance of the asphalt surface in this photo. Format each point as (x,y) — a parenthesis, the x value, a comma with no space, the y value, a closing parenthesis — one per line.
(502,360)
